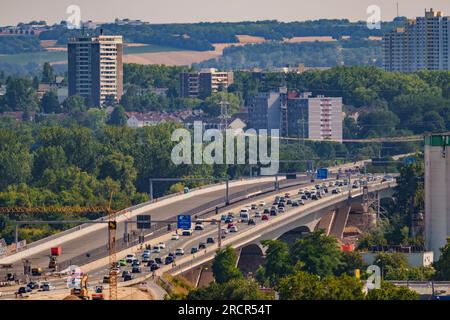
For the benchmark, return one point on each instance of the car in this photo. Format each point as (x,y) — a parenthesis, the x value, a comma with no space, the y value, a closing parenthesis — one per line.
(289,201)
(122,262)
(201,246)
(266,211)
(265,217)
(136,269)
(147,251)
(331,184)
(194,250)
(225,230)
(355,186)
(231,214)
(187,233)
(162,245)
(156,249)
(281,205)
(107,279)
(154,267)
(223,218)
(262,203)
(124,273)
(145,259)
(33,285)
(273,212)
(257,214)
(169,260)
(128,277)
(150,262)
(213,222)
(199,227)
(295,203)
(47,286)
(281,209)
(251,222)
(287,195)
(23,290)
(234,229)
(171,254)
(135,262)
(179,252)
(230,225)
(130,258)
(229,220)
(158,260)
(304,197)
(336,191)
(315,196)
(275,203)
(301,202)
(253,206)
(210,240)
(175,237)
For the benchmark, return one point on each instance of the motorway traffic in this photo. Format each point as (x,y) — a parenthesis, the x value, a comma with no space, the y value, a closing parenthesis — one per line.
(164,252)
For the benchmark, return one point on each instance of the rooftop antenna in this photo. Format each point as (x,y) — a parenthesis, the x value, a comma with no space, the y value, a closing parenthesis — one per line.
(397,11)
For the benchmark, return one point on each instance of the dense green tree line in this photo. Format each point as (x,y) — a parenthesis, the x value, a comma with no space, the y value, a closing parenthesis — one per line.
(201,36)
(14,44)
(313,54)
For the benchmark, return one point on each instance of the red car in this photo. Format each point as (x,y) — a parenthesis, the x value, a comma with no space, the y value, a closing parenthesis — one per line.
(287,195)
(265,217)
(230,225)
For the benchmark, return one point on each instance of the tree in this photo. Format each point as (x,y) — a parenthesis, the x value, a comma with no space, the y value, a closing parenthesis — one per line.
(20,95)
(235,289)
(442,266)
(277,260)
(350,262)
(305,286)
(388,260)
(48,74)
(118,116)
(319,254)
(388,291)
(120,168)
(74,104)
(224,265)
(52,157)
(50,103)
(211,105)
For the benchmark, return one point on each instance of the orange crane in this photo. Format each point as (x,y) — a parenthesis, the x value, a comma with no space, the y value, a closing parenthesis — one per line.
(112,227)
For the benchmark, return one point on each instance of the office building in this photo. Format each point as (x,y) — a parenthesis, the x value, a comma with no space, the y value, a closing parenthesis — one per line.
(204,83)
(297,114)
(437,189)
(422,44)
(96,68)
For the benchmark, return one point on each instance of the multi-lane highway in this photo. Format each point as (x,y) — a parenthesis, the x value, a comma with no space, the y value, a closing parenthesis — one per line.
(99,268)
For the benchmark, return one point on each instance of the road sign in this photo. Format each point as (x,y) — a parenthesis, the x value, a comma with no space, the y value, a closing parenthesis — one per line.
(409,160)
(184,222)
(322,173)
(144,222)
(112,225)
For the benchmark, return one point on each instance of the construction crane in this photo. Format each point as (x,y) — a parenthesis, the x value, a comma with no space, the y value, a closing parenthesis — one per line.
(112,227)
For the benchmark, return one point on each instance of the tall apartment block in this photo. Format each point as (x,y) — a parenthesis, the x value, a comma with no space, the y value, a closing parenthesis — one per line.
(204,83)
(422,44)
(297,114)
(437,189)
(96,67)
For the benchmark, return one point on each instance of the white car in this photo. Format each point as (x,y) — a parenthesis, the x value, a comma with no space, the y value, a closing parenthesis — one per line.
(175,237)
(262,203)
(162,245)
(156,249)
(179,252)
(233,229)
(257,214)
(147,252)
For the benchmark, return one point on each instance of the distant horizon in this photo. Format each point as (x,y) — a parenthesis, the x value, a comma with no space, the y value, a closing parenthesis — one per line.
(198,11)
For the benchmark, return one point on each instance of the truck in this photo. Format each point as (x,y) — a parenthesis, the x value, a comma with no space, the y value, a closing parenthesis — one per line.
(82,290)
(98,294)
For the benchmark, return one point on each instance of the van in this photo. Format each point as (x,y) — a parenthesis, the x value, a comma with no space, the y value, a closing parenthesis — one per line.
(244,217)
(244,211)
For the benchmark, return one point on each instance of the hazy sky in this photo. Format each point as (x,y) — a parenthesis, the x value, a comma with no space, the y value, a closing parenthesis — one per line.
(157,11)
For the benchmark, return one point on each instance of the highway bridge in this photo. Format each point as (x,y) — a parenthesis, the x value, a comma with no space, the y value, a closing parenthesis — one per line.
(330,212)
